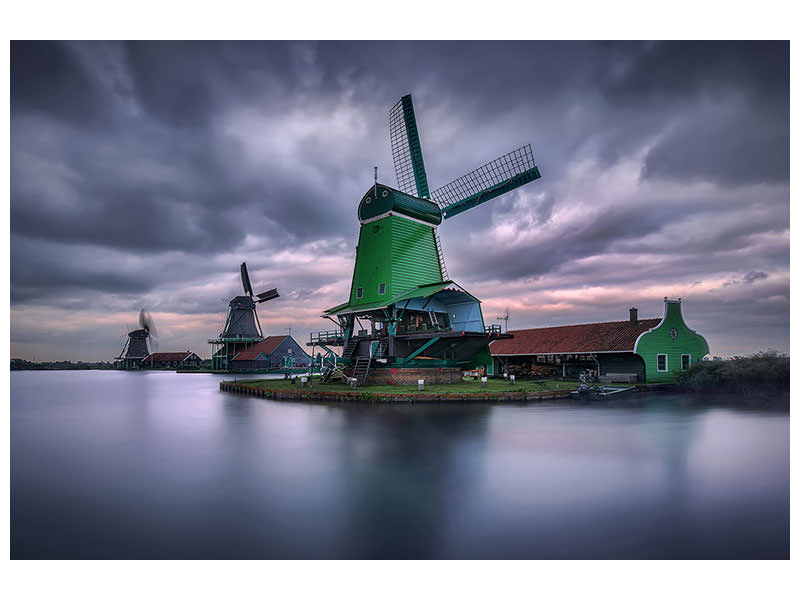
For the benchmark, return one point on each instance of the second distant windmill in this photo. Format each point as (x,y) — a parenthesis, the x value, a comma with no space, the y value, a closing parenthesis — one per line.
(242,327)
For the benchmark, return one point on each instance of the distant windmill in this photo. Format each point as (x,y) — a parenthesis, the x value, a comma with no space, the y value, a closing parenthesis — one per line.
(135,349)
(242,328)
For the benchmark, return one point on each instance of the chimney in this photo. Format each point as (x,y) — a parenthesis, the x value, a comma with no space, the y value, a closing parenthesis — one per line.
(634,312)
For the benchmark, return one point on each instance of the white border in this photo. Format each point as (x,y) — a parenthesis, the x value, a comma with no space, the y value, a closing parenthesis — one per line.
(664,318)
(397,214)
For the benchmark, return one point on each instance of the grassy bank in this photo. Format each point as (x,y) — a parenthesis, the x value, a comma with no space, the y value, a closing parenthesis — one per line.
(467,386)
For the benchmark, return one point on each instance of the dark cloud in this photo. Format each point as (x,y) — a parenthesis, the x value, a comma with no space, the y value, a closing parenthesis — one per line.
(748,278)
(668,72)
(142,173)
(755,276)
(728,103)
(727,147)
(47,77)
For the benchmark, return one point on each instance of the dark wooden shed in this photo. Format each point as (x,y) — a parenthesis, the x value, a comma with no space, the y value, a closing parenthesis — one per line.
(273,352)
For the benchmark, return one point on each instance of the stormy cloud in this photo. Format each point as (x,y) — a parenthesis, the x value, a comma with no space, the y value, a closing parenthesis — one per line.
(143,173)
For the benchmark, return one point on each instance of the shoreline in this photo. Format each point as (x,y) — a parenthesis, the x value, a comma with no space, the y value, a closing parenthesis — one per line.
(364,395)
(637,397)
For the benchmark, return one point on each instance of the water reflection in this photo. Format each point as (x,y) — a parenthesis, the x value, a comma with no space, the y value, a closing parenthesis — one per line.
(159,465)
(403,477)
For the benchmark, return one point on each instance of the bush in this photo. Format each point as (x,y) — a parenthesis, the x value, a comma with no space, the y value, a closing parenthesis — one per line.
(763,369)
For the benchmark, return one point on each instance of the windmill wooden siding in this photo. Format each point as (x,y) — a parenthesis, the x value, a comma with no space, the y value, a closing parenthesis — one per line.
(416,259)
(134,351)
(397,252)
(618,347)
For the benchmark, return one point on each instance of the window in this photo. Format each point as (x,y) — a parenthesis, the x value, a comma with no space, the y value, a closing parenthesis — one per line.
(381,288)
(686,360)
(661,362)
(359,292)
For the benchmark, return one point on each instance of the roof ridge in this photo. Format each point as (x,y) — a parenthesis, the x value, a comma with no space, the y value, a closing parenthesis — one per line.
(585,324)
(605,336)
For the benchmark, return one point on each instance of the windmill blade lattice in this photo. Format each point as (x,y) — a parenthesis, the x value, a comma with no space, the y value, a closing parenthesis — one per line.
(406,150)
(493,179)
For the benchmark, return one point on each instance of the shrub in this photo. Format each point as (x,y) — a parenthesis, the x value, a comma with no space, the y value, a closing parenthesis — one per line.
(741,372)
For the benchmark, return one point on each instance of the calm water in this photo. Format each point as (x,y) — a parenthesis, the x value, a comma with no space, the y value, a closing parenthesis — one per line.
(163,465)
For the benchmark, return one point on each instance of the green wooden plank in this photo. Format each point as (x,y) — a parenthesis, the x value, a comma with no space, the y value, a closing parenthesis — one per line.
(414,147)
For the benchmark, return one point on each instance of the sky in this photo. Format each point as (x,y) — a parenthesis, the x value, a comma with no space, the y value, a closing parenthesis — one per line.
(143,174)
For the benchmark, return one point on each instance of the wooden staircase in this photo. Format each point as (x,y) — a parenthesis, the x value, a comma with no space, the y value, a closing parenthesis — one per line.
(361,368)
(363,364)
(350,347)
(380,350)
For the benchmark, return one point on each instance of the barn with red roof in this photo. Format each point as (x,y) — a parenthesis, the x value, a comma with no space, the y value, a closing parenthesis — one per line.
(635,350)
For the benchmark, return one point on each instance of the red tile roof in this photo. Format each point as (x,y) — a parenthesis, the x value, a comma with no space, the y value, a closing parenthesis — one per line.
(168,356)
(614,336)
(267,346)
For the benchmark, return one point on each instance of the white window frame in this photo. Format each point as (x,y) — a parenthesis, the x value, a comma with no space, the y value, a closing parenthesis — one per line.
(359,292)
(381,293)
(688,364)
(666,363)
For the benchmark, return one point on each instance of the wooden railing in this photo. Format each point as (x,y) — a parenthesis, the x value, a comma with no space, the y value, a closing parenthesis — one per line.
(326,337)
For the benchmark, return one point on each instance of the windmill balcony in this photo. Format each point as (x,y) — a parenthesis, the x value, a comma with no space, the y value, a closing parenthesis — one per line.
(332,338)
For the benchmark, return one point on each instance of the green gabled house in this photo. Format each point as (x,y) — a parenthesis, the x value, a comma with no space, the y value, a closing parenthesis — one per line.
(670,346)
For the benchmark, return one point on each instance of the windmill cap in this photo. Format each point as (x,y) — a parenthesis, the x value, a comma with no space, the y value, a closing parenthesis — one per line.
(244,301)
(381,200)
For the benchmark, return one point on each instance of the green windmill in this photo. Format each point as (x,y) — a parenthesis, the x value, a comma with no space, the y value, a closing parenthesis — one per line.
(404,313)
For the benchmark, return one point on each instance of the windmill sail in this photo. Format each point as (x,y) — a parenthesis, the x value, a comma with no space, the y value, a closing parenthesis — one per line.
(248,289)
(493,179)
(406,150)
(268,295)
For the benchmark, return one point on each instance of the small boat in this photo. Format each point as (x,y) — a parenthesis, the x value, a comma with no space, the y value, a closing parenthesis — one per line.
(586,392)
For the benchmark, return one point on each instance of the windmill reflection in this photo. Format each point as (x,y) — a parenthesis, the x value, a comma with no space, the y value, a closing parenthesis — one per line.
(402,469)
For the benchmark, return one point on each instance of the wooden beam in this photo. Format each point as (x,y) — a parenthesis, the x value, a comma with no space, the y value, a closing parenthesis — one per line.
(418,351)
